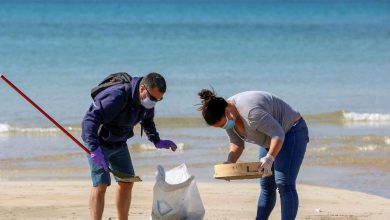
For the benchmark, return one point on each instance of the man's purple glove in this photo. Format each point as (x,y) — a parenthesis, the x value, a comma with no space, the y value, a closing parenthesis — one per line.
(98,158)
(166,144)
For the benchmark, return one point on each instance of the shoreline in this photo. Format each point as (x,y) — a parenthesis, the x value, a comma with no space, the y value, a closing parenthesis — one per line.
(307,176)
(228,200)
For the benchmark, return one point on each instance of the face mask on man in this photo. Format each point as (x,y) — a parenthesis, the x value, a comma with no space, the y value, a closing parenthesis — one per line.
(148,103)
(229,123)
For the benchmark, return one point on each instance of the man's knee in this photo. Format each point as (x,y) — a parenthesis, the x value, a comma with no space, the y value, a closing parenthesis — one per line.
(100,189)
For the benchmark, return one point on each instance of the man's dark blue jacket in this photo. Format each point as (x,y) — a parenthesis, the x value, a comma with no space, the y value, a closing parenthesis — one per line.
(112,116)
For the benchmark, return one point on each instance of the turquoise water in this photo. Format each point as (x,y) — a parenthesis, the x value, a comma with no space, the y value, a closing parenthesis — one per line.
(328,59)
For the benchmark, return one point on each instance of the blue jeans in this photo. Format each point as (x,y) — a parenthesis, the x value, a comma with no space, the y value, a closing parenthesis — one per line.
(117,158)
(285,171)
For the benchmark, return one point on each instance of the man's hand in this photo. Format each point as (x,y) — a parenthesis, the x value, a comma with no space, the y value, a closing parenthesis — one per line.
(98,158)
(166,144)
(266,165)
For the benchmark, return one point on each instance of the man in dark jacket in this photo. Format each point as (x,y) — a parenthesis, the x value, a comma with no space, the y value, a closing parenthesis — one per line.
(106,127)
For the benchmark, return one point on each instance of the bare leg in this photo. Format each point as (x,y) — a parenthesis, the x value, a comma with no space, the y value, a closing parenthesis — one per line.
(96,201)
(123,199)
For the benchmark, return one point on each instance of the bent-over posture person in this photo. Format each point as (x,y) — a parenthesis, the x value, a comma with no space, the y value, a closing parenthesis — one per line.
(262,118)
(106,127)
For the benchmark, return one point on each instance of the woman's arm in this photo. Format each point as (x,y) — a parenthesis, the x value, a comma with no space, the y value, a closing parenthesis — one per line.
(235,152)
(267,124)
(275,146)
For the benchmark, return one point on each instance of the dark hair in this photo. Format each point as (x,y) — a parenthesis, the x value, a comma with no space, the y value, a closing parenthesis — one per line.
(153,80)
(212,106)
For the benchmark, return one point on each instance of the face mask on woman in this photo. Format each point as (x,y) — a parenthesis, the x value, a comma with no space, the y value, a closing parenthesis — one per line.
(229,123)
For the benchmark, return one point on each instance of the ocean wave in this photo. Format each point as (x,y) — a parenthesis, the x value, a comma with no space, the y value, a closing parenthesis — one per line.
(338,118)
(368,148)
(347,117)
(151,147)
(387,140)
(353,116)
(6,128)
(162,122)
(350,148)
(352,140)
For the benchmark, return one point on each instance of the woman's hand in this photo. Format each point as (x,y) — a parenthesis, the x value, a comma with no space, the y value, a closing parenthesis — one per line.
(266,165)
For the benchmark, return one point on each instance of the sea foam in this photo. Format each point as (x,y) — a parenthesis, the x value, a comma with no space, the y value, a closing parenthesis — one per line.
(4,128)
(353,116)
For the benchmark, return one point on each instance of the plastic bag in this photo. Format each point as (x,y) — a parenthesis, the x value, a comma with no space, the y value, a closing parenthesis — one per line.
(176,196)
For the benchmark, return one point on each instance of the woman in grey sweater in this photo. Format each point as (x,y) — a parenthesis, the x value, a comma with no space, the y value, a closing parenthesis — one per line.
(261,118)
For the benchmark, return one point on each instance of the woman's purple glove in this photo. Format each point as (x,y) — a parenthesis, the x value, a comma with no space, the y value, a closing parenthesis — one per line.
(98,158)
(166,144)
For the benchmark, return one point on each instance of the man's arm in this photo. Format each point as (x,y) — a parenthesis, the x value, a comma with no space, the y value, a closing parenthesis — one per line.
(150,130)
(106,106)
(90,126)
(149,126)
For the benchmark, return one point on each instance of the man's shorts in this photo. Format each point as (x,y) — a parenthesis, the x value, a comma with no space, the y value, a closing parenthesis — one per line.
(118,159)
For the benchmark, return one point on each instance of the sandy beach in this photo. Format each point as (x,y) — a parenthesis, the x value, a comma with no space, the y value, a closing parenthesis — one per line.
(327,59)
(225,200)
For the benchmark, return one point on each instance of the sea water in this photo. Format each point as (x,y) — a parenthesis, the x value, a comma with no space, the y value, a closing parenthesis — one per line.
(327,59)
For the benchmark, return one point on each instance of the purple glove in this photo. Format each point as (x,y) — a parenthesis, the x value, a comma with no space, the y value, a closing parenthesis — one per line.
(166,144)
(98,158)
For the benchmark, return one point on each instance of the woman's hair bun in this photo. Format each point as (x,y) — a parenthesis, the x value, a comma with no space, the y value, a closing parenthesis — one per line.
(206,94)
(212,106)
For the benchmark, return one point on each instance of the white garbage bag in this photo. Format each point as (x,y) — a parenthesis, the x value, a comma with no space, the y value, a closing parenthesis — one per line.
(176,196)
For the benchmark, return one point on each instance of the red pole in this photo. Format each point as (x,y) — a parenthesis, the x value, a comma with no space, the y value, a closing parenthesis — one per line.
(45,114)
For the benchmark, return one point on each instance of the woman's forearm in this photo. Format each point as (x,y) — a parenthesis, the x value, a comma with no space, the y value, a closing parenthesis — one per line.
(234,153)
(275,146)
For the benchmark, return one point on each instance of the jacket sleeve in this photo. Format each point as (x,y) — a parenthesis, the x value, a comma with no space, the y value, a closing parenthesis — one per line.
(106,106)
(149,126)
